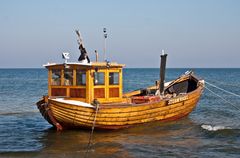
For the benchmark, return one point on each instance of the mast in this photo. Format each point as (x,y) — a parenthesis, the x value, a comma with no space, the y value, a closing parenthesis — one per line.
(105,43)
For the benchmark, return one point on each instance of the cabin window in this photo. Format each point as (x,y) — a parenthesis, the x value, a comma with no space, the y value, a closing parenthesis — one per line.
(81,78)
(56,77)
(99,78)
(113,78)
(68,77)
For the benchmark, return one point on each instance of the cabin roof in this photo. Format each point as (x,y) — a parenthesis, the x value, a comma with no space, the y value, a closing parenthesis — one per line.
(89,65)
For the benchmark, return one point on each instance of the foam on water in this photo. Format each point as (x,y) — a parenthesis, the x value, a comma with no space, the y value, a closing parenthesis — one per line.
(214,128)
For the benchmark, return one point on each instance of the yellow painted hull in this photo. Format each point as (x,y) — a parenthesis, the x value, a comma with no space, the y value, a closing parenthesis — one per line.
(121,116)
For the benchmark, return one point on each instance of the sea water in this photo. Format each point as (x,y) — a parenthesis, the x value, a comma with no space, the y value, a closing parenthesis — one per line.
(211,130)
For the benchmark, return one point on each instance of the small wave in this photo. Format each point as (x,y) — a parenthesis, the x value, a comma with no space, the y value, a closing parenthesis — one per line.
(18,113)
(214,128)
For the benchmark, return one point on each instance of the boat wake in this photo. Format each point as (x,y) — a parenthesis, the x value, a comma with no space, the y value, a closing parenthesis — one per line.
(214,128)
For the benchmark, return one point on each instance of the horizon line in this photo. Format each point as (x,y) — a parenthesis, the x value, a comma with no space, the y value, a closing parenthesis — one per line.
(136,67)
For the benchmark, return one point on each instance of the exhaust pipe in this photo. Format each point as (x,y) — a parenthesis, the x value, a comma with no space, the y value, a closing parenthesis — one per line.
(162,72)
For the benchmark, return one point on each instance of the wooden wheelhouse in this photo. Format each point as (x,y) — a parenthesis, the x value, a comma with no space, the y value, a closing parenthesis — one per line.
(86,82)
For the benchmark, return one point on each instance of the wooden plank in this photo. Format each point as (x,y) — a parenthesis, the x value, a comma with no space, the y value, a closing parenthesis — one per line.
(74,77)
(89,82)
(77,92)
(117,109)
(99,93)
(49,82)
(58,92)
(125,119)
(176,113)
(113,92)
(130,115)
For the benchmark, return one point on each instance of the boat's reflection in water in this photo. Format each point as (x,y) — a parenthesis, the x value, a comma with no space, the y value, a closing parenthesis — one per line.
(156,139)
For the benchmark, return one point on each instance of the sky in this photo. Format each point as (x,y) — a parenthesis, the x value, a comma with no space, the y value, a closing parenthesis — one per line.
(194,33)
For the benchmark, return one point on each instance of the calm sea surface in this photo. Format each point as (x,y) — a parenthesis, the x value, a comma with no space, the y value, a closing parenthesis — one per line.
(211,130)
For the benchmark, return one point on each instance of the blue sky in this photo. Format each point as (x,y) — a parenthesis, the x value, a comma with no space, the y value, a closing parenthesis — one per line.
(194,33)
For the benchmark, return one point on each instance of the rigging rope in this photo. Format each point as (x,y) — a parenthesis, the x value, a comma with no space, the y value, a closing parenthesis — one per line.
(222,98)
(91,134)
(222,89)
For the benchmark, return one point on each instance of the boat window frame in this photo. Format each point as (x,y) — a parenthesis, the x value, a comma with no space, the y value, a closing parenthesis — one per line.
(59,77)
(68,80)
(82,72)
(103,83)
(109,78)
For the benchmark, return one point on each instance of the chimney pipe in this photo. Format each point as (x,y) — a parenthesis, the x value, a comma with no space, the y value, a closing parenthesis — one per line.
(162,72)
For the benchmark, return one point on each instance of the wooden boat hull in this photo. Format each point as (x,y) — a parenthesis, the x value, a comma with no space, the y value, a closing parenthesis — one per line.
(119,115)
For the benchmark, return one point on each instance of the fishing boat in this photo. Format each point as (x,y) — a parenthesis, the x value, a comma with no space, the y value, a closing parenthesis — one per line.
(87,94)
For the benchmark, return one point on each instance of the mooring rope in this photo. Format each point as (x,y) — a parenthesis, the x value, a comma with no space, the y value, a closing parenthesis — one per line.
(222,89)
(91,134)
(221,82)
(222,98)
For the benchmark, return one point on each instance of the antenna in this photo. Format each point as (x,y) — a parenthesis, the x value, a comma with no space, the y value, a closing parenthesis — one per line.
(96,54)
(65,56)
(105,43)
